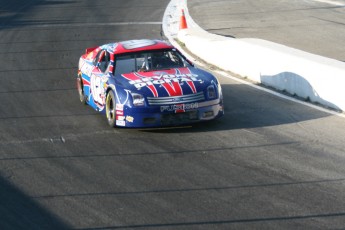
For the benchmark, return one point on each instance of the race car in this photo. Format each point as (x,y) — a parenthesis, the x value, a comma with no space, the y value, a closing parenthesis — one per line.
(147,83)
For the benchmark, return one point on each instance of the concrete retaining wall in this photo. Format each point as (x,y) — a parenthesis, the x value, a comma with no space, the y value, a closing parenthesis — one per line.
(312,77)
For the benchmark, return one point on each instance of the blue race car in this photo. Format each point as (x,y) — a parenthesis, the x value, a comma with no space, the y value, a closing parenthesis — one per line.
(147,83)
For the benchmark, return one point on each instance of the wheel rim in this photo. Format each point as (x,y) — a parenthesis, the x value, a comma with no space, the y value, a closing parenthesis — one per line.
(110,108)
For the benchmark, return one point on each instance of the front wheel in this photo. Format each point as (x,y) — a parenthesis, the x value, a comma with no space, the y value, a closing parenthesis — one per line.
(110,105)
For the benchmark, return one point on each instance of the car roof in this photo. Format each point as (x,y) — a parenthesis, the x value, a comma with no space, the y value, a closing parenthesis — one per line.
(136,46)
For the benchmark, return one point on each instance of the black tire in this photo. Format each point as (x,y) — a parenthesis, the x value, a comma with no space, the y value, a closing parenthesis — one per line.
(110,108)
(80,88)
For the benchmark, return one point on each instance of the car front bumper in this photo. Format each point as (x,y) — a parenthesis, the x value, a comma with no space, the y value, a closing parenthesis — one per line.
(165,116)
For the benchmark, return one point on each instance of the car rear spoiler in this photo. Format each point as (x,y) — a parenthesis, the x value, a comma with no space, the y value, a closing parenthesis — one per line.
(88,50)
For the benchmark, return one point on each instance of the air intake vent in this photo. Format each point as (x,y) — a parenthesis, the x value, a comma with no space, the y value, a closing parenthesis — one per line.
(176,100)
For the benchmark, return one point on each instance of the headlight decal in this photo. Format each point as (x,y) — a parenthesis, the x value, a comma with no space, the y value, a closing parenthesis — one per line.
(138,99)
(211,92)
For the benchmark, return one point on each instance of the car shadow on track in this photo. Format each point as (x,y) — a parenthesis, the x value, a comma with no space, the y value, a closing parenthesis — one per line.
(18,211)
(252,108)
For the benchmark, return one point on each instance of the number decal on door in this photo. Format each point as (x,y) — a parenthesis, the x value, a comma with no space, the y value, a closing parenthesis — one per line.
(97,90)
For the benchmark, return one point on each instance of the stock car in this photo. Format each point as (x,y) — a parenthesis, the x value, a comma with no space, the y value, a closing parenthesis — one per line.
(147,83)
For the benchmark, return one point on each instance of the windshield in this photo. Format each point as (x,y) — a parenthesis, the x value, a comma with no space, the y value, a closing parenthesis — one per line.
(149,61)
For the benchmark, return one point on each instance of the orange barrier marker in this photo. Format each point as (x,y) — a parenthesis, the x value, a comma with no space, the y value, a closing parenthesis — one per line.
(183,22)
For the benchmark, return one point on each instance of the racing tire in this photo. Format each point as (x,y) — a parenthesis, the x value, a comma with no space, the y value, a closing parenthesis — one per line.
(110,108)
(80,88)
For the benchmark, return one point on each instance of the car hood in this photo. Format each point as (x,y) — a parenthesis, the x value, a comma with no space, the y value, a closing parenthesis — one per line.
(165,83)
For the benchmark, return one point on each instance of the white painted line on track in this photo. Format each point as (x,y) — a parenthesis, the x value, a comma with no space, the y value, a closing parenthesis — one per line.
(332,2)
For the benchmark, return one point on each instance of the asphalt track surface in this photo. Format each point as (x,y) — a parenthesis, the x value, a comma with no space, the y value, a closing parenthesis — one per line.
(315,26)
(268,163)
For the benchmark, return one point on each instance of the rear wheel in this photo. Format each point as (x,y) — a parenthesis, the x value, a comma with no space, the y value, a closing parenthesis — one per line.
(80,88)
(110,108)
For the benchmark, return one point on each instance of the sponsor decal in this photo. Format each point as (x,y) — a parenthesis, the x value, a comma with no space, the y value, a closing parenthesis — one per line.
(172,83)
(119,112)
(130,119)
(97,90)
(171,108)
(163,79)
(120,118)
(120,123)
(119,106)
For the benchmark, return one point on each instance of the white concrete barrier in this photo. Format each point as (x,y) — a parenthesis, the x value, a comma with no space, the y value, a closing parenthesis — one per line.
(312,77)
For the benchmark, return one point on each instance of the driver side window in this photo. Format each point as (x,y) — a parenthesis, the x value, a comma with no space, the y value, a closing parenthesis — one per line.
(102,60)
